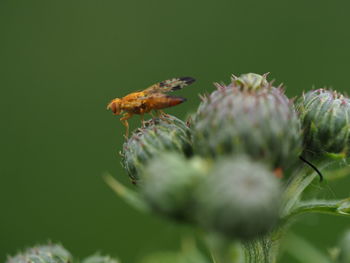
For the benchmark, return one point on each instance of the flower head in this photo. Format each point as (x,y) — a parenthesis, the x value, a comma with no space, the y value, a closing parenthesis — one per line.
(165,134)
(251,117)
(325,117)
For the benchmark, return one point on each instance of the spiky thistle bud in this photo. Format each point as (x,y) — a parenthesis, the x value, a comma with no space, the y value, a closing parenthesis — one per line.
(249,116)
(325,117)
(239,199)
(165,134)
(169,182)
(45,254)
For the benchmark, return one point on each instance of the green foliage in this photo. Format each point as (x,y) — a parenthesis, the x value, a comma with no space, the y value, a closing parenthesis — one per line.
(234,174)
(245,137)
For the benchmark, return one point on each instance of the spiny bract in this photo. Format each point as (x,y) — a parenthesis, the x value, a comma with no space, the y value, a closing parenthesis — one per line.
(248,116)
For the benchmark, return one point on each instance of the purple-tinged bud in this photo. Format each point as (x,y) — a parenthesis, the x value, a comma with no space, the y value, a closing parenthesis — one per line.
(251,117)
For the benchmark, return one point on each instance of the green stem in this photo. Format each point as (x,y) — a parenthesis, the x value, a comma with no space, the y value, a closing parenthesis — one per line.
(335,207)
(264,249)
(295,188)
(298,183)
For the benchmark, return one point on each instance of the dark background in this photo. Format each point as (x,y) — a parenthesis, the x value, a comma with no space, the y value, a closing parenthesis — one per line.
(62,61)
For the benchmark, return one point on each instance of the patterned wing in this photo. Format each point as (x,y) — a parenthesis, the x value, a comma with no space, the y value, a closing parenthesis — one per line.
(169,85)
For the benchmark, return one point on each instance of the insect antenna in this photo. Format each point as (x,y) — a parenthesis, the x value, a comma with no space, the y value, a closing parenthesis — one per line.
(312,166)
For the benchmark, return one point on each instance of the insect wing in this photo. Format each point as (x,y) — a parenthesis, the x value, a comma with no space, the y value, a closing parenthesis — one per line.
(169,85)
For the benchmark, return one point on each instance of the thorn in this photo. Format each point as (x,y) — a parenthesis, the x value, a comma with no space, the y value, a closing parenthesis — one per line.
(233,77)
(218,86)
(202,97)
(266,75)
(271,83)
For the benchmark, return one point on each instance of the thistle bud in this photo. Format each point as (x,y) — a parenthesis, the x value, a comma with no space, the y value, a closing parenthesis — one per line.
(169,182)
(44,254)
(344,248)
(325,117)
(166,134)
(251,117)
(239,199)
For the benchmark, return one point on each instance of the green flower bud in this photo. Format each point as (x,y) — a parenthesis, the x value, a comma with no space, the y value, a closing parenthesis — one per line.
(248,117)
(169,182)
(344,246)
(239,199)
(166,134)
(325,117)
(43,254)
(97,258)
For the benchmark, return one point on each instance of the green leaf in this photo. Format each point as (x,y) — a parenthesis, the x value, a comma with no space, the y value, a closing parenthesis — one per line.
(129,196)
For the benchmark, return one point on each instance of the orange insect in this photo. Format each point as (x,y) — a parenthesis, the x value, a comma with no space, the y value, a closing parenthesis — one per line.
(152,98)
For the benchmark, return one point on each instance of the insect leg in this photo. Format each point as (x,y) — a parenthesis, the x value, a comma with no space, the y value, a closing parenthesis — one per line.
(142,120)
(159,113)
(162,113)
(124,120)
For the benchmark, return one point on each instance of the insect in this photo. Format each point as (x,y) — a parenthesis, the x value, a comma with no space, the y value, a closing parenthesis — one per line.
(152,98)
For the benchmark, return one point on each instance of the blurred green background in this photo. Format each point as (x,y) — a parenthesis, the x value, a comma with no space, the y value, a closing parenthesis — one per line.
(62,61)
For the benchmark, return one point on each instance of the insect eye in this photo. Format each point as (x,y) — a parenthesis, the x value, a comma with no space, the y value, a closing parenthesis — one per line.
(113,107)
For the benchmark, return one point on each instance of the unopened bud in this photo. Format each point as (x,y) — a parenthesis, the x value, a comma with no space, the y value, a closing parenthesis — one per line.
(239,199)
(166,134)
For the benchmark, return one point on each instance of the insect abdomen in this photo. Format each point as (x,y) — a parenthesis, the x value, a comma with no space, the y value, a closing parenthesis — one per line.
(165,102)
